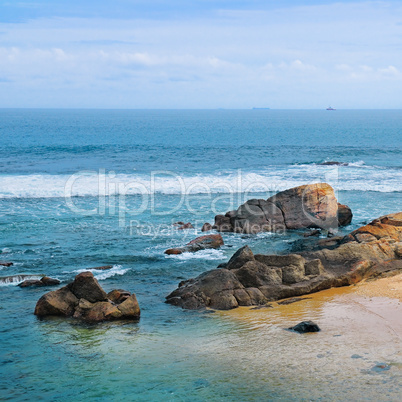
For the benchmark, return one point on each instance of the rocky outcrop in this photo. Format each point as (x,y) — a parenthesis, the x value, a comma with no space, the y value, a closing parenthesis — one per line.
(249,279)
(45,281)
(200,243)
(206,227)
(85,299)
(308,206)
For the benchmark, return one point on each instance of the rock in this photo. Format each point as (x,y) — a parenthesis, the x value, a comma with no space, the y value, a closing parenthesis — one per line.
(45,281)
(200,243)
(103,267)
(85,286)
(58,302)
(308,206)
(333,163)
(240,257)
(6,263)
(258,215)
(247,279)
(206,227)
(305,326)
(292,300)
(84,299)
(311,233)
(345,215)
(214,289)
(180,223)
(187,225)
(222,224)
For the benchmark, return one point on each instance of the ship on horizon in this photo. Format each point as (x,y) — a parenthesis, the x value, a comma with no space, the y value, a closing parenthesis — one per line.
(330,108)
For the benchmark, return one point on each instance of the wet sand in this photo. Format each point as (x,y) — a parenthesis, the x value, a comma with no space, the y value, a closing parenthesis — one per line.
(357,355)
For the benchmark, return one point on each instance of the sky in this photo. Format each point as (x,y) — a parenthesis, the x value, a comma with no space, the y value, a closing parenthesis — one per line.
(203,54)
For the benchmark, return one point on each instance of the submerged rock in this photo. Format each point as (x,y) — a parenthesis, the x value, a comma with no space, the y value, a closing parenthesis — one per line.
(200,243)
(45,281)
(6,263)
(187,225)
(206,227)
(304,327)
(308,206)
(85,299)
(248,279)
(103,267)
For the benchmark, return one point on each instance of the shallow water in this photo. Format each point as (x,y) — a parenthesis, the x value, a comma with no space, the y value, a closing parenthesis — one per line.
(173,354)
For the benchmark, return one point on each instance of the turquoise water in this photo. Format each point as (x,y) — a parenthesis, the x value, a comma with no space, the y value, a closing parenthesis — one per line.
(82,188)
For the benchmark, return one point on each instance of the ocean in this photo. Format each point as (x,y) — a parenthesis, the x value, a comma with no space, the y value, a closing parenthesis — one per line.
(86,188)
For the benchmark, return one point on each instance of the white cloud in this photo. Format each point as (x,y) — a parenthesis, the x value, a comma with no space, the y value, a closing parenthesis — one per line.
(301,57)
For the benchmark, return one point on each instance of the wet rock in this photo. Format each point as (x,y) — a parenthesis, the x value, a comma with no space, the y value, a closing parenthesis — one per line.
(333,163)
(85,286)
(345,215)
(308,206)
(261,278)
(214,241)
(311,233)
(103,267)
(305,326)
(292,300)
(45,281)
(187,225)
(6,263)
(84,299)
(61,302)
(222,223)
(240,257)
(206,227)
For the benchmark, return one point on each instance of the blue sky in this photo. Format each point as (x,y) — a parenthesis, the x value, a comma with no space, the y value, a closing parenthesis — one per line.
(201,54)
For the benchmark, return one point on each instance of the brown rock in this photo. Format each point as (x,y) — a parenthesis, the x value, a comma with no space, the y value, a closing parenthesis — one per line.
(187,225)
(118,304)
(6,263)
(222,223)
(240,257)
(129,308)
(345,215)
(58,302)
(370,251)
(103,267)
(85,286)
(206,227)
(308,206)
(200,243)
(117,296)
(45,281)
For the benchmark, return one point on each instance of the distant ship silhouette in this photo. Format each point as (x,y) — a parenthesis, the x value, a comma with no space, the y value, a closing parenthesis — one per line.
(330,108)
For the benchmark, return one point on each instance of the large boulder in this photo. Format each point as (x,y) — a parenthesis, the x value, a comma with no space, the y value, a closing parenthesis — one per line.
(85,299)
(200,243)
(247,279)
(308,206)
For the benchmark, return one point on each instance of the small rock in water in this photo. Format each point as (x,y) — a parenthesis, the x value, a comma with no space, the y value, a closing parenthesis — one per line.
(206,227)
(304,327)
(311,233)
(187,225)
(6,263)
(380,367)
(45,281)
(103,267)
(263,306)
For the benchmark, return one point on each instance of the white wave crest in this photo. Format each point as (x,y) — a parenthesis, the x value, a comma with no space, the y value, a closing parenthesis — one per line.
(13,280)
(210,254)
(269,179)
(102,275)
